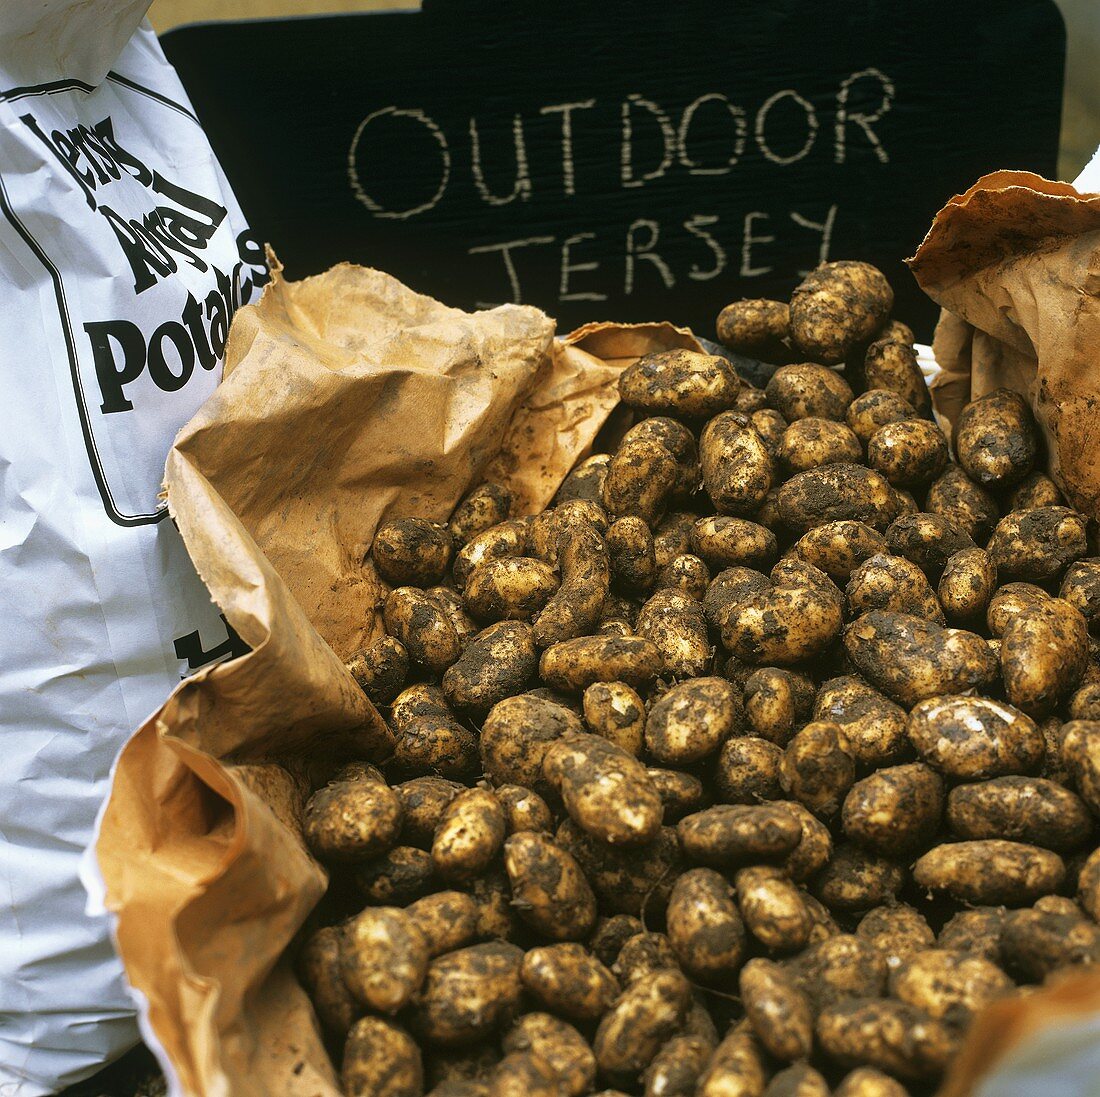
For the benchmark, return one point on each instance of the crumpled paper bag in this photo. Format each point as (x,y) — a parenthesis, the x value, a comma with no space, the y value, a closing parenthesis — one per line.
(1015,263)
(347,399)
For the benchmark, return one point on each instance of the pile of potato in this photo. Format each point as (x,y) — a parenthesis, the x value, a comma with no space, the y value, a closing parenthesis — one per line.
(755,766)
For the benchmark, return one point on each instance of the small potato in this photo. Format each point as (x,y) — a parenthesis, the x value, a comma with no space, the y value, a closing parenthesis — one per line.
(448,920)
(897,932)
(681,383)
(817,770)
(975,738)
(990,872)
(548,888)
(736,1069)
(1008,602)
(469,993)
(889,364)
(909,453)
(561,1046)
(1081,588)
(515,737)
(704,926)
(524,809)
(640,480)
(776,702)
(1044,651)
(569,980)
(737,468)
(838,306)
(680,792)
(1088,885)
(422,627)
(496,916)
(777,1009)
(810,442)
(642,955)
(1022,809)
(685,574)
(512,588)
(838,548)
(575,608)
(756,328)
(748,770)
(524,1074)
(630,555)
(470,834)
(874,727)
(949,987)
(722,542)
(1036,943)
(968,507)
(679,441)
(857,879)
(728,589)
(497,663)
(692,720)
(967,585)
(974,931)
(384,958)
(380,669)
(1035,490)
(615,711)
(436,744)
(585,480)
(412,552)
(738,834)
(773,909)
(675,1069)
(486,506)
(840,967)
(771,426)
(807,391)
(910,659)
(318,966)
(502,540)
(926,539)
(381,1060)
(1038,545)
(869,1082)
(1085,702)
(672,537)
(995,439)
(892,583)
(836,493)
(874,409)
(800,1080)
(397,878)
(815,848)
(453,606)
(575,664)
(645,1016)
(352,820)
(895,811)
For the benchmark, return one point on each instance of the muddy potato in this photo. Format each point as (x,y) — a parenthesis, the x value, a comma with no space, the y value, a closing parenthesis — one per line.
(412,552)
(496,916)
(909,658)
(889,364)
(838,967)
(485,506)
(645,1016)
(723,541)
(497,663)
(892,583)
(895,811)
(422,627)
(737,468)
(1008,602)
(672,536)
(777,1009)
(1022,809)
(1038,545)
(675,623)
(691,721)
(470,834)
(975,738)
(928,540)
(685,574)
(1081,754)
(874,409)
(558,1044)
(738,834)
(1035,490)
(575,608)
(799,1080)
(469,993)
(549,891)
(990,872)
(680,793)
(516,735)
(976,931)
(755,327)
(805,391)
(810,442)
(642,955)
(736,1069)
(995,439)
(1036,943)
(1088,885)
(908,453)
(1084,704)
(728,589)
(381,1060)
(574,665)
(704,926)
(585,480)
(396,878)
(773,909)
(857,879)
(512,588)
(630,555)
(776,703)
(384,957)
(524,809)
(380,669)
(352,820)
(679,441)
(838,548)
(508,538)
(897,932)
(874,727)
(815,847)
(461,1071)
(448,920)
(838,306)
(615,711)
(676,1068)
(569,980)
(682,383)
(949,987)
(453,606)
(1044,651)
(966,586)
(836,493)
(817,769)
(869,1082)
(318,967)
(436,744)
(524,1074)
(747,770)
(640,480)
(1081,588)
(964,504)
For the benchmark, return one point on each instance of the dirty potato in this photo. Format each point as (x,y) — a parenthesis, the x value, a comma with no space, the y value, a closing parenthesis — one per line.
(1038,942)
(757,328)
(381,1060)
(380,669)
(470,834)
(704,926)
(771,426)
(838,306)
(967,585)
(681,383)
(524,809)
(838,548)
(817,769)
(806,391)
(737,468)
(561,1046)
(320,970)
(549,890)
(896,931)
(747,770)
(691,721)
(810,442)
(497,663)
(773,908)
(777,1009)
(352,820)
(874,727)
(895,811)
(995,439)
(990,872)
(575,608)
(723,541)
(1038,545)
(512,588)
(412,552)
(737,1066)
(908,453)
(893,583)
(400,876)
(448,920)
(1044,651)
(486,506)
(585,480)
(926,539)
(645,1016)
(384,957)
(739,834)
(568,979)
(574,665)
(630,555)
(836,493)
(966,505)
(777,702)
(815,848)
(615,711)
(686,574)
(857,879)
(890,364)
(422,627)
(1008,602)
(874,409)
(675,1069)
(516,735)
(1022,809)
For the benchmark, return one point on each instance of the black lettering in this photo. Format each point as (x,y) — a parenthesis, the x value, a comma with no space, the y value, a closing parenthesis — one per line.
(162,376)
(192,318)
(216,313)
(113,376)
(149,260)
(105,131)
(87,185)
(206,208)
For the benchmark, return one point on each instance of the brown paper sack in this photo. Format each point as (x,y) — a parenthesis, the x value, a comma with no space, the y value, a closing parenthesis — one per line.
(347,400)
(1015,262)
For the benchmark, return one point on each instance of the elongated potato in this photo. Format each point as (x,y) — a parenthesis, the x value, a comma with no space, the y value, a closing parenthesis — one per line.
(679,441)
(470,834)
(869,1082)
(990,872)
(497,663)
(857,879)
(836,493)
(384,958)
(1037,943)
(704,927)
(422,627)
(967,585)
(732,834)
(575,608)
(773,908)
(1022,809)
(777,1009)
(890,364)
(1081,588)
(645,1016)
(755,327)
(381,1060)
(723,541)
(949,987)
(873,409)
(448,920)
(995,439)
(630,555)
(511,588)
(966,505)
(568,979)
(895,811)
(737,468)
(319,968)
(691,721)
(675,1069)
(736,1069)
(676,625)
(549,890)
(576,664)
(681,383)
(1044,651)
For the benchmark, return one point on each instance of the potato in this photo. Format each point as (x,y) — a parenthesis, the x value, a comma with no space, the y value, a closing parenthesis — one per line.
(630,555)
(524,809)
(496,916)
(995,439)
(384,957)
(512,588)
(815,848)
(728,589)
(679,441)
(1044,651)
(497,663)
(874,727)
(485,506)
(756,328)
(1088,885)
(838,548)
(412,552)
(422,627)
(1081,754)
(681,383)
(641,478)
(569,980)
(858,879)
(777,1009)
(736,1069)
(549,890)
(885,582)
(968,507)
(352,820)
(380,669)
(672,536)
(396,878)
(462,1066)
(966,586)
(908,453)
(895,811)
(448,920)
(836,493)
(738,834)
(910,659)
(453,606)
(516,735)
(436,744)
(469,993)
(771,426)
(722,542)
(869,1082)
(807,391)
(926,539)
(576,664)
(889,364)
(1008,602)
(680,792)
(838,306)
(990,872)
(975,738)
(896,932)
(524,1074)
(704,926)
(1035,490)
(381,1060)
(817,770)
(737,468)
(1085,702)
(691,721)
(949,987)
(675,1069)
(318,967)
(776,702)
(1036,943)
(685,574)
(839,967)
(975,931)
(1038,545)
(747,770)
(772,908)
(470,834)
(645,1016)
(505,539)
(1081,588)
(585,480)
(642,955)
(574,610)
(800,1080)
(561,1046)
(810,442)
(874,409)
(1022,809)
(615,711)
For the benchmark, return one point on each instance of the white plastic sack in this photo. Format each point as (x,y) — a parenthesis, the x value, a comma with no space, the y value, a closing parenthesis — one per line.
(122,258)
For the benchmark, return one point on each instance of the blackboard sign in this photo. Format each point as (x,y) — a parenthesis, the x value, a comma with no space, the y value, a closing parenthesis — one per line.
(638,161)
